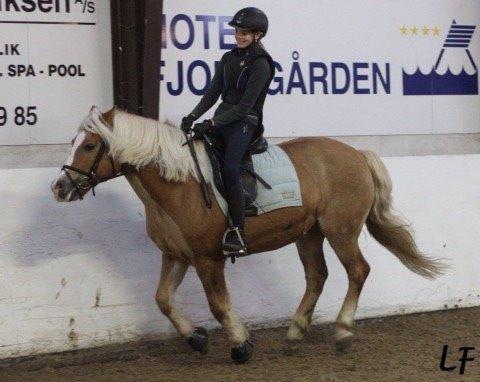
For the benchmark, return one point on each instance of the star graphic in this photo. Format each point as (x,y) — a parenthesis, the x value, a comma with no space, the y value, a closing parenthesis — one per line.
(425,30)
(435,31)
(403,30)
(414,30)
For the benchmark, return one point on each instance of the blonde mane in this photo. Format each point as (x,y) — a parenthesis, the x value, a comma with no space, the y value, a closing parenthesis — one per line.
(141,141)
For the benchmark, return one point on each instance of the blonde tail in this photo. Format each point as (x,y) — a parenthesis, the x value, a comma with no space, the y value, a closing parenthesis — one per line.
(391,230)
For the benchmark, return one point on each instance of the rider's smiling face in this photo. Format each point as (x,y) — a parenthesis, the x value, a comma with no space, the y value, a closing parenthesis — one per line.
(245,37)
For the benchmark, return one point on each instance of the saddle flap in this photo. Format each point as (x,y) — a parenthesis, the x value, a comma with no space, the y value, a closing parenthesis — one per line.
(259,144)
(215,154)
(249,182)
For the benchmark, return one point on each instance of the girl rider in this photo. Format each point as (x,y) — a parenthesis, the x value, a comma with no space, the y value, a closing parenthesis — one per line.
(242,79)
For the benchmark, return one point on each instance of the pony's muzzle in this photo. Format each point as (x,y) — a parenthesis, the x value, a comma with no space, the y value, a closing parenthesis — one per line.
(59,188)
(62,190)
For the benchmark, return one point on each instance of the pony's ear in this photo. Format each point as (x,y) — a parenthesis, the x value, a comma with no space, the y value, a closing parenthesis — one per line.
(108,117)
(96,120)
(95,111)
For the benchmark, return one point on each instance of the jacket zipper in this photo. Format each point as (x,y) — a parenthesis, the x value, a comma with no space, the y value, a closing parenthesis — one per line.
(224,78)
(240,76)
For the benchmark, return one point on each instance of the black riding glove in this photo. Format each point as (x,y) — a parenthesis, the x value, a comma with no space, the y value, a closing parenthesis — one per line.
(202,128)
(187,123)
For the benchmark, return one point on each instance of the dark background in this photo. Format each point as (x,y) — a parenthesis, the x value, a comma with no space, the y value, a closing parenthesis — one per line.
(136,36)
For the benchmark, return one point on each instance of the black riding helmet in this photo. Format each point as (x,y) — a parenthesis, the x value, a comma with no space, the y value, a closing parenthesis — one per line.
(251,18)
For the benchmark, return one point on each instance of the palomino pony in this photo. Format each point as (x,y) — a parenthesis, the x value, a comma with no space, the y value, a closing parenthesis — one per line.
(342,189)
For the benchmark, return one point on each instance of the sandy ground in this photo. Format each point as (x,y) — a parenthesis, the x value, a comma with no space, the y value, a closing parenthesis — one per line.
(404,348)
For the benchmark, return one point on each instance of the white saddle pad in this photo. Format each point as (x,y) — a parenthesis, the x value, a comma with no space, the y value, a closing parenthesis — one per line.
(277,169)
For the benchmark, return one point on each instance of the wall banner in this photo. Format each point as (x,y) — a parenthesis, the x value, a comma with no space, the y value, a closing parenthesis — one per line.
(343,68)
(55,62)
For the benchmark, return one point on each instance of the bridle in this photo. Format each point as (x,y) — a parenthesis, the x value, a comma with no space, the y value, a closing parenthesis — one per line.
(90,179)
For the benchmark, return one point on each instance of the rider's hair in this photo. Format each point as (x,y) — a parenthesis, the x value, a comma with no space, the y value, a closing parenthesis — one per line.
(259,41)
(260,44)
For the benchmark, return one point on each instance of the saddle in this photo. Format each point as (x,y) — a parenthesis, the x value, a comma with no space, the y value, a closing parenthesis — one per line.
(215,150)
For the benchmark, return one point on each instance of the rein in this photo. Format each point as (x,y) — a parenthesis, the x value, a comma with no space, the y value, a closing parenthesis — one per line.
(203,183)
(90,179)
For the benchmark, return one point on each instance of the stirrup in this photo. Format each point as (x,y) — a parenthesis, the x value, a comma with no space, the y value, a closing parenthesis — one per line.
(234,254)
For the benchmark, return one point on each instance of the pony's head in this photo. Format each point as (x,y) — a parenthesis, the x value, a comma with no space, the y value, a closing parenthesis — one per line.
(106,142)
(89,162)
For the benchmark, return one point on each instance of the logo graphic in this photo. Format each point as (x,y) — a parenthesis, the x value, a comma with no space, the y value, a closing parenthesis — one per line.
(434,83)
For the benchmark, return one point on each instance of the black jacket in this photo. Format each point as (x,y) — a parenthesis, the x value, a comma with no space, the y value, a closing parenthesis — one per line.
(242,79)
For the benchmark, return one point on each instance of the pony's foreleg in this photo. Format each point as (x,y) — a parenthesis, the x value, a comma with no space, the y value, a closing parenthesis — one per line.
(171,277)
(310,249)
(211,273)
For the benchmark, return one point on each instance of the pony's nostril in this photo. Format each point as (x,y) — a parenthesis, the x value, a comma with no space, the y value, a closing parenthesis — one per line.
(59,188)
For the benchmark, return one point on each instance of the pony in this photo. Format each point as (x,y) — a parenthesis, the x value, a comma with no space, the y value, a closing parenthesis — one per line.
(342,190)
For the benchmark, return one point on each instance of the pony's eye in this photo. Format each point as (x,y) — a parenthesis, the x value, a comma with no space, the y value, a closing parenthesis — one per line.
(89,147)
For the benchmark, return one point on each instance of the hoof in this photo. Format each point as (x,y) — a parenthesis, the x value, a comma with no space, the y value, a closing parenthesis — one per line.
(242,353)
(343,343)
(198,341)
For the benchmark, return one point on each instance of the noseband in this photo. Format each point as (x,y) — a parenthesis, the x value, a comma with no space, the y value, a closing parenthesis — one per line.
(90,179)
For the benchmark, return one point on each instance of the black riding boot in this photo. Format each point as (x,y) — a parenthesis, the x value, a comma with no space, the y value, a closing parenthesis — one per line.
(233,243)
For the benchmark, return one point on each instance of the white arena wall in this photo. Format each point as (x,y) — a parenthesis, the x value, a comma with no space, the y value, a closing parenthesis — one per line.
(85,274)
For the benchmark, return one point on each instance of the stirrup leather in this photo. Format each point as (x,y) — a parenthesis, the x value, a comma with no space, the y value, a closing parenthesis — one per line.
(232,254)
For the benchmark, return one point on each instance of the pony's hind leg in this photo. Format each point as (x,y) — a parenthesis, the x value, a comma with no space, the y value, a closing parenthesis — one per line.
(171,276)
(347,249)
(310,249)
